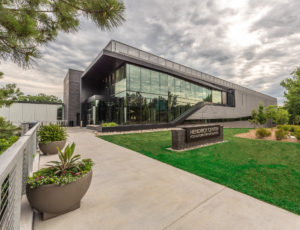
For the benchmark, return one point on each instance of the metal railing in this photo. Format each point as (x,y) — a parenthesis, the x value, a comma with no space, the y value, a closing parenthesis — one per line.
(56,122)
(15,166)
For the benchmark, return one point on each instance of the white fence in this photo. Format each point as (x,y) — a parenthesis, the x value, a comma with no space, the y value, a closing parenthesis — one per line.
(18,113)
(15,166)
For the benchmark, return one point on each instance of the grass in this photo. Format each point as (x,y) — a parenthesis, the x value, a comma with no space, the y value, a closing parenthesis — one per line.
(267,170)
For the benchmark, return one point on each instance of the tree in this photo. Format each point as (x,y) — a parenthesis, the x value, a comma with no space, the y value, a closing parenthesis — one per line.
(8,94)
(27,24)
(278,115)
(258,116)
(41,97)
(253,119)
(292,94)
(297,120)
(261,116)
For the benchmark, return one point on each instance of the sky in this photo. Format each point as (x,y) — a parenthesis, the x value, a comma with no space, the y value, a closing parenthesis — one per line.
(254,43)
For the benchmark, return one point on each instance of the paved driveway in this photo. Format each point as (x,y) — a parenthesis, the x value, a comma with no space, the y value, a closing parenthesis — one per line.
(132,191)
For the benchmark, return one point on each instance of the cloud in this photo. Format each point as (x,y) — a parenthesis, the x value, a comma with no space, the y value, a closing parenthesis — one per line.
(253,43)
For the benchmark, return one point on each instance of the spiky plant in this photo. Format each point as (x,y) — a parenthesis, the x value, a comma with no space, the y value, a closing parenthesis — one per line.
(67,161)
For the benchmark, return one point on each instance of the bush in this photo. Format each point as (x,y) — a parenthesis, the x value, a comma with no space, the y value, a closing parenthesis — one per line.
(280,134)
(297,135)
(7,142)
(285,127)
(7,129)
(262,132)
(295,128)
(50,133)
(109,124)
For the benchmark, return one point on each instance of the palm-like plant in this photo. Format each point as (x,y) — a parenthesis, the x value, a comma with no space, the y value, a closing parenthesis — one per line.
(67,161)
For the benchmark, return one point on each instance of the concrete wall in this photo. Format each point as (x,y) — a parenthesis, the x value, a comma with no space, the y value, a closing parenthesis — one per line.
(245,102)
(71,96)
(29,112)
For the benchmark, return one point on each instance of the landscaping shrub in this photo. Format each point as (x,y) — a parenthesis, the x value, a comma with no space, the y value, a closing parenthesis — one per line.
(68,169)
(297,135)
(280,134)
(7,129)
(262,132)
(295,128)
(285,127)
(109,124)
(7,142)
(8,134)
(50,133)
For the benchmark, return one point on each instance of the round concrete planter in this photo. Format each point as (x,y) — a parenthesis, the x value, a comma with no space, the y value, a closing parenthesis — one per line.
(50,148)
(53,200)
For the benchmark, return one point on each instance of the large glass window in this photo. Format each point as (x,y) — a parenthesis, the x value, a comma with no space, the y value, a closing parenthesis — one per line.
(171,85)
(145,80)
(120,85)
(177,86)
(134,101)
(140,95)
(135,78)
(163,82)
(155,82)
(216,97)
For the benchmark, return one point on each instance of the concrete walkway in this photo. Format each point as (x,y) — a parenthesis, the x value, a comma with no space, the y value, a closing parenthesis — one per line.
(132,191)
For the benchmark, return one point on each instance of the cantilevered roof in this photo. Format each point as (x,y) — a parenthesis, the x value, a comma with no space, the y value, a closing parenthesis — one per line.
(125,53)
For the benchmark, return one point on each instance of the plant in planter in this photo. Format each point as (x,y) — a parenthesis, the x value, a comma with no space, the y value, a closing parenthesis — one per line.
(60,187)
(52,136)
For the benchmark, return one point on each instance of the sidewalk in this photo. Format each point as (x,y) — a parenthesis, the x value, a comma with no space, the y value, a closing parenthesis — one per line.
(132,191)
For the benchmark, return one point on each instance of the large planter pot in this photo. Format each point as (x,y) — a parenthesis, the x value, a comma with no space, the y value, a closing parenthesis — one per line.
(51,147)
(53,200)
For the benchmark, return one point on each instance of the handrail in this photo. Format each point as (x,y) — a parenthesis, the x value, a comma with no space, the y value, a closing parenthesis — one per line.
(178,120)
(15,166)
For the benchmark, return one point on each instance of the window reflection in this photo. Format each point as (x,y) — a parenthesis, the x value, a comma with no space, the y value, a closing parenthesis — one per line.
(139,95)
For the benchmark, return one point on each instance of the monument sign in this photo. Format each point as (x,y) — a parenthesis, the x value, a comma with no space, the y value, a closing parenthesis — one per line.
(189,137)
(201,133)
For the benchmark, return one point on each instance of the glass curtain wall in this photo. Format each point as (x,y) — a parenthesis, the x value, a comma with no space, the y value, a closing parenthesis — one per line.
(154,97)
(139,95)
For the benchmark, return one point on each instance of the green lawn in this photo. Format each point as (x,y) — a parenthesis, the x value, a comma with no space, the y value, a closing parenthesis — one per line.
(267,170)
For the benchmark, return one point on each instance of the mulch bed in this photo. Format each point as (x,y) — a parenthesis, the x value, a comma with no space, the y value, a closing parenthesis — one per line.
(251,135)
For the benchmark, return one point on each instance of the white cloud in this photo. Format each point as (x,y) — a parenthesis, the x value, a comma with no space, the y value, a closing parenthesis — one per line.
(254,43)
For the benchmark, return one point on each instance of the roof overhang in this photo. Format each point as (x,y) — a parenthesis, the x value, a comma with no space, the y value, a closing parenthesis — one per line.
(107,61)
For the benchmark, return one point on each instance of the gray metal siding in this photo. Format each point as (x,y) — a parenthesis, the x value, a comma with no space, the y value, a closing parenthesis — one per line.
(72,95)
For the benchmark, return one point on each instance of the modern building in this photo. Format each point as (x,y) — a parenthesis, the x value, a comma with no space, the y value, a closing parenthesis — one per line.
(130,86)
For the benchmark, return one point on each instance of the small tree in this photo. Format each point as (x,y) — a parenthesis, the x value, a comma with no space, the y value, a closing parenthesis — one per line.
(253,119)
(282,117)
(292,94)
(258,116)
(278,115)
(261,115)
